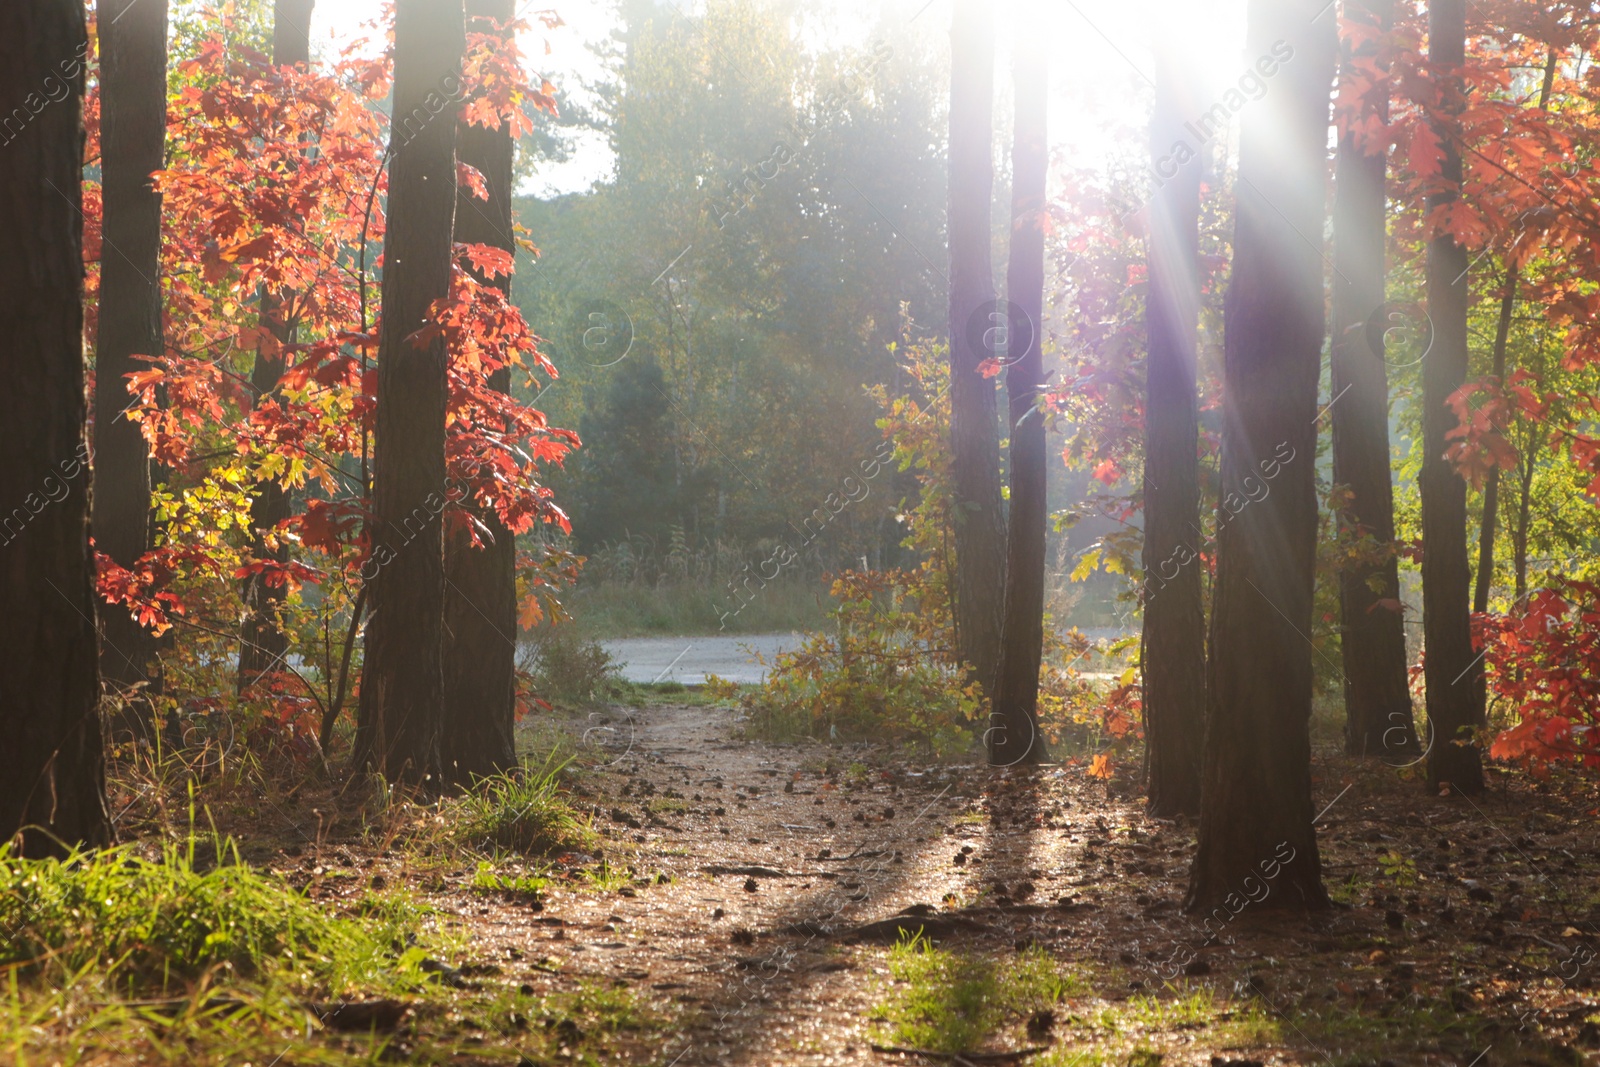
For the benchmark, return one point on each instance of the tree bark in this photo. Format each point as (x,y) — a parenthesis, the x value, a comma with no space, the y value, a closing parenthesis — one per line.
(291,32)
(402,686)
(1256,813)
(480,620)
(263,643)
(133,127)
(1173,653)
(1450,665)
(1013,736)
(52,777)
(1377,693)
(974,428)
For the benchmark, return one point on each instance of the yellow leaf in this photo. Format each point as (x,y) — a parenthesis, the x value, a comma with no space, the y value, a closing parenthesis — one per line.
(1086,565)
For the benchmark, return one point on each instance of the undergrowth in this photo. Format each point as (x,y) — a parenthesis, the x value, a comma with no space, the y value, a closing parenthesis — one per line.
(524,812)
(565,667)
(195,912)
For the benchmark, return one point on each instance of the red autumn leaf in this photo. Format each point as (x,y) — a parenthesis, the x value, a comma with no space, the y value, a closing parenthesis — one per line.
(472,178)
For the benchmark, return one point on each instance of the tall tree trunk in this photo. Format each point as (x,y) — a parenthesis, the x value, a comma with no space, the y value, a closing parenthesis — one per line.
(133,127)
(52,775)
(402,684)
(1377,693)
(1173,654)
(480,607)
(974,428)
(1450,664)
(1013,736)
(263,643)
(291,32)
(1255,813)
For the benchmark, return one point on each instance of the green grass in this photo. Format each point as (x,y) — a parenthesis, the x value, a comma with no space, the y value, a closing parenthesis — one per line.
(523,812)
(947,1002)
(151,925)
(191,957)
(490,881)
(953,1002)
(1145,1012)
(607,877)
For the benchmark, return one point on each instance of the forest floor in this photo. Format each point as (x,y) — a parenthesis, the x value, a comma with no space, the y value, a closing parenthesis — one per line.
(771,904)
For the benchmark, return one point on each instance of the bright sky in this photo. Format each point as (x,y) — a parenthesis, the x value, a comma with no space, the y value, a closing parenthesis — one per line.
(1100,79)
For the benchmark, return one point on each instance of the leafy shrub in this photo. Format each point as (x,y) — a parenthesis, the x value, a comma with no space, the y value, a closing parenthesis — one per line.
(874,675)
(567,667)
(1544,671)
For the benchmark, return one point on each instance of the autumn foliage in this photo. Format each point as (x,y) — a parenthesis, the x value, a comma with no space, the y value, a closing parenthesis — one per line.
(273,216)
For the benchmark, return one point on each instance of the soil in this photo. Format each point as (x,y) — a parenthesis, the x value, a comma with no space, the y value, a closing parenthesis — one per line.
(769,878)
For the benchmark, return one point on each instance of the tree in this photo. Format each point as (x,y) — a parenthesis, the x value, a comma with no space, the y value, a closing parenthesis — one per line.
(1256,814)
(52,776)
(1372,635)
(1014,731)
(1173,657)
(625,486)
(291,32)
(974,431)
(133,127)
(402,685)
(1502,336)
(263,644)
(1450,666)
(480,606)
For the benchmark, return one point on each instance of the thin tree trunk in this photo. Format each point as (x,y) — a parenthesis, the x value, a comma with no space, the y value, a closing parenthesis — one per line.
(480,620)
(263,643)
(974,428)
(1491,490)
(1256,813)
(1502,337)
(1449,661)
(1173,654)
(1377,693)
(133,127)
(1013,736)
(402,685)
(52,775)
(1519,536)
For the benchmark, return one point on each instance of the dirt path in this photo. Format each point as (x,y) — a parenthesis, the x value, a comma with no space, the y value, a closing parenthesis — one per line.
(758,865)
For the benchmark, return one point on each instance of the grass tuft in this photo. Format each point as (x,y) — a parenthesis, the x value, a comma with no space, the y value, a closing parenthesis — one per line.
(954,1002)
(525,812)
(150,925)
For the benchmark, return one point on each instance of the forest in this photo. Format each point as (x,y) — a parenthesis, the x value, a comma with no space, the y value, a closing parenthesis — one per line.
(683,532)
